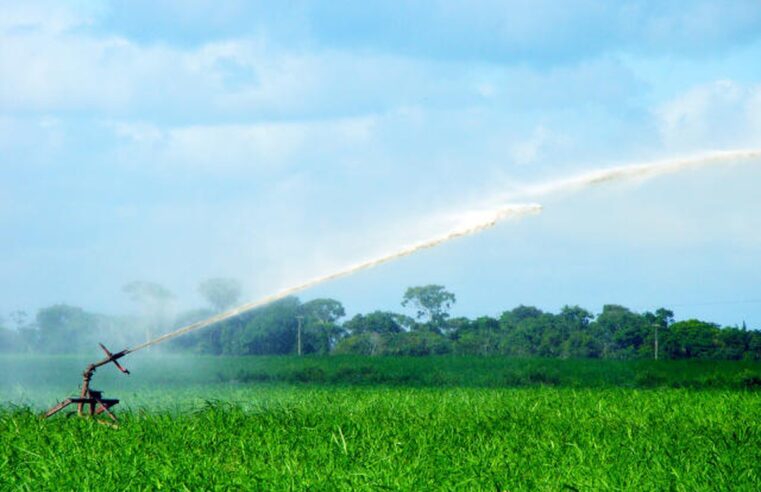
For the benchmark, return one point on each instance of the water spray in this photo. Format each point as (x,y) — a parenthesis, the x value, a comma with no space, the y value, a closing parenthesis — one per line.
(633,172)
(473,222)
(476,221)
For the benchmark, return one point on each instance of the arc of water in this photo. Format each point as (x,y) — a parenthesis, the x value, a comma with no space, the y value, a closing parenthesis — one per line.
(634,171)
(479,222)
(487,219)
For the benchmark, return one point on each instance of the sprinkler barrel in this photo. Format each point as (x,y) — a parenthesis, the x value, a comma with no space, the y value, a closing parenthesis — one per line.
(113,358)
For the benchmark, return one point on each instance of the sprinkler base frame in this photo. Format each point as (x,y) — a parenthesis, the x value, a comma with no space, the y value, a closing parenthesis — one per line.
(90,402)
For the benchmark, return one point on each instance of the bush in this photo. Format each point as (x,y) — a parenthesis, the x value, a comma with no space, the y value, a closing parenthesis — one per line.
(418,343)
(542,377)
(749,380)
(362,344)
(354,375)
(649,380)
(308,375)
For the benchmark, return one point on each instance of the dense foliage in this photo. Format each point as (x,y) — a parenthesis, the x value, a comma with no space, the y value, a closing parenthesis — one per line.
(615,333)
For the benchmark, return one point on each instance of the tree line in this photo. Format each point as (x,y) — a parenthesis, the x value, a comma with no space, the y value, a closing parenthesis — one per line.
(289,326)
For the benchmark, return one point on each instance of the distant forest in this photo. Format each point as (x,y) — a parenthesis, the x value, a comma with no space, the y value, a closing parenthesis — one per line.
(290,326)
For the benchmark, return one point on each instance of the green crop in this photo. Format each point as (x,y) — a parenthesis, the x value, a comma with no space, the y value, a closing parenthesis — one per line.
(221,434)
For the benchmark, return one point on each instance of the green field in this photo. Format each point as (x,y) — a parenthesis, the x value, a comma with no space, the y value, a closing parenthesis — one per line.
(398,423)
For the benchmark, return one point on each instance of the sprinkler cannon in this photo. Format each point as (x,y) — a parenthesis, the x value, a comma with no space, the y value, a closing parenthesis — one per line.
(91,398)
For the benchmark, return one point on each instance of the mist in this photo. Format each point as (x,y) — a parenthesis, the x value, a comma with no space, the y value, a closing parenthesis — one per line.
(157,316)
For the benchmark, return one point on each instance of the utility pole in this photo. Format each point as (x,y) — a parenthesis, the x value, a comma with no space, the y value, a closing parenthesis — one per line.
(656,341)
(298,335)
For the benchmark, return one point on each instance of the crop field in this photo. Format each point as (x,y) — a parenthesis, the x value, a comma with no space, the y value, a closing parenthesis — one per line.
(386,423)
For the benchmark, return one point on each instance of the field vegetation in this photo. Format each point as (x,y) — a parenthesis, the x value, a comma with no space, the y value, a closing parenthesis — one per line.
(26,377)
(402,438)
(369,423)
(526,400)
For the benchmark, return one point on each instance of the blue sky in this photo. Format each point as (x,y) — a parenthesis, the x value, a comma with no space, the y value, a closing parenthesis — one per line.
(177,141)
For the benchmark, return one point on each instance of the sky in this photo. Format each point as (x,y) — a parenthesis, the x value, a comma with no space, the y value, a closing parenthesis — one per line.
(273,142)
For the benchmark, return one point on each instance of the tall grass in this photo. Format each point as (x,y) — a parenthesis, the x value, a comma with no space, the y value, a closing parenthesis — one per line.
(299,437)
(446,423)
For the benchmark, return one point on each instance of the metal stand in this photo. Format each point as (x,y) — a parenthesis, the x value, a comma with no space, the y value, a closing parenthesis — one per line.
(91,398)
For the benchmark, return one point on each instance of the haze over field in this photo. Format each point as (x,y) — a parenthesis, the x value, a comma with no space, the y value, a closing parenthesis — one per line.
(175,142)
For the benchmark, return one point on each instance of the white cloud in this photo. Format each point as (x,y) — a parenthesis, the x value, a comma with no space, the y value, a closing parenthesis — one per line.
(46,15)
(65,72)
(534,147)
(28,140)
(540,32)
(251,78)
(240,148)
(137,132)
(720,114)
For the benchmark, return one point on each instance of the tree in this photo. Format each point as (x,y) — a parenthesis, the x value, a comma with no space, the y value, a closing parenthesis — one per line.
(380,322)
(431,302)
(205,341)
(23,337)
(455,327)
(8,339)
(367,343)
(531,336)
(658,324)
(575,317)
(324,310)
(417,343)
(735,343)
(621,330)
(153,300)
(20,319)
(664,317)
(480,336)
(64,329)
(221,293)
(478,342)
(693,339)
(754,345)
(582,344)
(270,329)
(511,319)
(145,292)
(321,331)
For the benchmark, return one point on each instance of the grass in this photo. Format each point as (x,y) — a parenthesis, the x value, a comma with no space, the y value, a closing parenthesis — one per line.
(458,424)
(60,372)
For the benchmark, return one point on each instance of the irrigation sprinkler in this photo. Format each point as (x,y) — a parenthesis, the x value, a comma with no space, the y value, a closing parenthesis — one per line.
(90,401)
